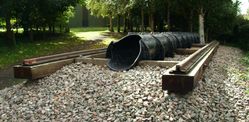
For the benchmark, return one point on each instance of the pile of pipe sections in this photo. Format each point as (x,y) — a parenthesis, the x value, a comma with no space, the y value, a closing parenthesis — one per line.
(128,51)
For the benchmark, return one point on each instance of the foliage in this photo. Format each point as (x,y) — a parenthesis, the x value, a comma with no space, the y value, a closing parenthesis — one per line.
(181,15)
(240,35)
(31,14)
(246,58)
(184,13)
(109,7)
(246,72)
(2,23)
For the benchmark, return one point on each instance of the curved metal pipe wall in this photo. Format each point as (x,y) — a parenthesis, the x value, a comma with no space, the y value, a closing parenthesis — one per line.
(134,47)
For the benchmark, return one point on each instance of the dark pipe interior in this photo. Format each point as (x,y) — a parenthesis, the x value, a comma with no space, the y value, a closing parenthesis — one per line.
(125,53)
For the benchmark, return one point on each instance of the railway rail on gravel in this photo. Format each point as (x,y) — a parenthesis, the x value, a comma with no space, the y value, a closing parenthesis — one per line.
(183,76)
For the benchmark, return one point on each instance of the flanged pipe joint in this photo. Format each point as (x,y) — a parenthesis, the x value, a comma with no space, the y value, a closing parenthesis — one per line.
(129,50)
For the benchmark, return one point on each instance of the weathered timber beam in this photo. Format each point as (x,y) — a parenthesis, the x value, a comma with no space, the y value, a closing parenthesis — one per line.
(95,61)
(186,51)
(56,57)
(99,55)
(39,71)
(198,45)
(163,64)
(183,83)
(103,62)
(186,65)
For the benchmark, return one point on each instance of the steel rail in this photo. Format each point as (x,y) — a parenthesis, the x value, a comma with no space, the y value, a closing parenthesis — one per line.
(56,57)
(187,64)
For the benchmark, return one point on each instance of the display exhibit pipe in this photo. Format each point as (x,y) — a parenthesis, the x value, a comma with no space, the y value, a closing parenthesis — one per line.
(129,50)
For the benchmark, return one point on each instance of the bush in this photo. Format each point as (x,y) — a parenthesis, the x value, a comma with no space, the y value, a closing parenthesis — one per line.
(243,37)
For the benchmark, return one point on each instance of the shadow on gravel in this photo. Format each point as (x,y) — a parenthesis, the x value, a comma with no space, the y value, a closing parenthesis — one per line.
(7,78)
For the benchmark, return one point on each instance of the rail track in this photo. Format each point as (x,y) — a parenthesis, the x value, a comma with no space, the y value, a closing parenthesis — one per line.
(40,67)
(185,75)
(51,58)
(182,77)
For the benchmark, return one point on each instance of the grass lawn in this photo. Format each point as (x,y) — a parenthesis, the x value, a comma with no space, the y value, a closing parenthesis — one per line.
(245,75)
(89,29)
(2,30)
(76,40)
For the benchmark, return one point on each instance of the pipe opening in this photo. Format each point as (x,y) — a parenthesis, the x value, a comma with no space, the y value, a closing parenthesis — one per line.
(125,53)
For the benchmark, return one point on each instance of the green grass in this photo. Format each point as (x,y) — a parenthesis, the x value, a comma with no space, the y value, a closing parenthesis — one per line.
(20,30)
(23,50)
(245,60)
(88,29)
(246,17)
(53,45)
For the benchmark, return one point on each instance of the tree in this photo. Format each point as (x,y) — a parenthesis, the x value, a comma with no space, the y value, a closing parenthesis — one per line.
(7,12)
(248,11)
(104,8)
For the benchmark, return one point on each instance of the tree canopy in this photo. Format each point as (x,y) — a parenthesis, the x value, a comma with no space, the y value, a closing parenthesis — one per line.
(220,16)
(184,13)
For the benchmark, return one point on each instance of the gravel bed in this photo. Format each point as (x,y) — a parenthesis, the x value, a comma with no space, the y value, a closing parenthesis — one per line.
(85,92)
(176,58)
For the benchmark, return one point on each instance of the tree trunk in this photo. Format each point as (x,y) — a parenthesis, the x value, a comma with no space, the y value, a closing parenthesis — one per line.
(131,25)
(60,28)
(17,30)
(8,25)
(119,23)
(49,28)
(111,24)
(53,28)
(207,35)
(152,24)
(31,35)
(125,24)
(191,21)
(128,23)
(44,28)
(142,20)
(10,35)
(168,16)
(201,26)
(67,30)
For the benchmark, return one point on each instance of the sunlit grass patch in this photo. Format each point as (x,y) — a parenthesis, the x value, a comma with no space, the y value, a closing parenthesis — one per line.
(88,29)
(108,41)
(89,35)
(247,91)
(20,30)
(27,50)
(2,30)
(245,60)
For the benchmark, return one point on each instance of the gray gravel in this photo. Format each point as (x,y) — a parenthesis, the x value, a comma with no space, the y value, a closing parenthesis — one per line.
(176,58)
(85,92)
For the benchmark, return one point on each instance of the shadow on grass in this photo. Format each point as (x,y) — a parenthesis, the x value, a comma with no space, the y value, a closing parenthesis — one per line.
(43,44)
(58,43)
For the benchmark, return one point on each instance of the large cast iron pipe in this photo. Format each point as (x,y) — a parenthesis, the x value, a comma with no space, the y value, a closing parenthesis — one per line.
(126,53)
